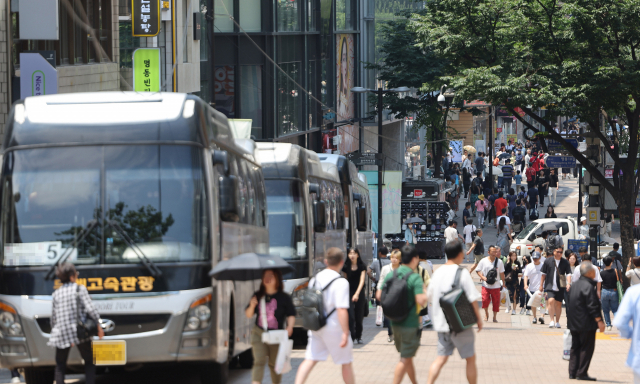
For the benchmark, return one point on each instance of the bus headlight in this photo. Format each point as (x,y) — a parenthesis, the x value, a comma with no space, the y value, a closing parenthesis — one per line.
(298,293)
(199,316)
(9,321)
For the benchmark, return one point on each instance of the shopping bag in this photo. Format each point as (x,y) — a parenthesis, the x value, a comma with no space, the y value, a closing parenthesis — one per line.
(543,302)
(379,315)
(504,299)
(566,342)
(283,359)
(535,299)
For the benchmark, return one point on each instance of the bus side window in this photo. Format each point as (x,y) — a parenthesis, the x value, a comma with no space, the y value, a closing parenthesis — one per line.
(261,198)
(340,209)
(253,201)
(242,191)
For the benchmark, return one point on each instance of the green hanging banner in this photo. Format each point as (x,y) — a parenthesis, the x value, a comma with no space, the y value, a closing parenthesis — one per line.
(146,70)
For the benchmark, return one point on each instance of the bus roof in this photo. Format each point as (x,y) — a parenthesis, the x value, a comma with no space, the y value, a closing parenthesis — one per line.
(284,159)
(100,117)
(346,169)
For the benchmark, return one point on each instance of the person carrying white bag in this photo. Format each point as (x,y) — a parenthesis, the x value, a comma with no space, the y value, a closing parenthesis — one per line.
(532,277)
(274,324)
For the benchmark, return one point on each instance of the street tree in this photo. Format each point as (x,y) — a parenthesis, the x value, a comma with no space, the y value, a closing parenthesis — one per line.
(574,57)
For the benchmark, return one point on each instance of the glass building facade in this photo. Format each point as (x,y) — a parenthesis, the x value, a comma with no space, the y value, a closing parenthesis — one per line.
(276,63)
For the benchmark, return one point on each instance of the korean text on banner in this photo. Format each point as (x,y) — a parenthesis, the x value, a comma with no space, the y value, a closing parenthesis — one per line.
(146,70)
(145,17)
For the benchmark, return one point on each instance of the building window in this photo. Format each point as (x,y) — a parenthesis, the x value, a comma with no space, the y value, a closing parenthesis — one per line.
(225,90)
(345,15)
(312,10)
(288,15)
(251,97)
(250,15)
(289,99)
(222,22)
(313,90)
(76,45)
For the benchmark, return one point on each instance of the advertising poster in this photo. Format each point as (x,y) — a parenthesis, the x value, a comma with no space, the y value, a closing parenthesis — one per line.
(146,70)
(456,150)
(512,139)
(391,194)
(37,76)
(345,65)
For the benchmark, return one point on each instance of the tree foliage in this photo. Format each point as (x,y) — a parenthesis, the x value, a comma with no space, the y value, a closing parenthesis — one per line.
(574,57)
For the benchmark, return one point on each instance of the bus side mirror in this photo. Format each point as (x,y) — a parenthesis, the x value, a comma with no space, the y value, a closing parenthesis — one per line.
(357,197)
(228,200)
(221,158)
(361,215)
(319,216)
(314,188)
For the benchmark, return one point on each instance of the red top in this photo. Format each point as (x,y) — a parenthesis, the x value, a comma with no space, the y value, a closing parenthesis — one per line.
(500,203)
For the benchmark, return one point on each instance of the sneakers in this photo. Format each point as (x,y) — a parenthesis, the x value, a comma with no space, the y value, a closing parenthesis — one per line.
(390,338)
(546,311)
(521,311)
(552,324)
(535,321)
(426,323)
(16,380)
(513,312)
(528,312)
(541,320)
(608,328)
(558,325)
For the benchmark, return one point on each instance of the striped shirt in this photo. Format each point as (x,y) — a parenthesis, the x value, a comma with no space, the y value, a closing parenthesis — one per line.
(507,170)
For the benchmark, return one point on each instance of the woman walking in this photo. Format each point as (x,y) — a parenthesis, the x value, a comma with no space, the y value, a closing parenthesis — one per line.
(633,273)
(466,181)
(504,237)
(609,294)
(511,271)
(573,262)
(355,270)
(395,263)
(71,304)
(274,309)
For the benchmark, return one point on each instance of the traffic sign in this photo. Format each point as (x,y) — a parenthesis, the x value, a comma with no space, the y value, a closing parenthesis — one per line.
(366,158)
(553,145)
(561,161)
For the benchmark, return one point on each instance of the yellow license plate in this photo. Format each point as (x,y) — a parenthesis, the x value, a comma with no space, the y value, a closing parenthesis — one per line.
(109,352)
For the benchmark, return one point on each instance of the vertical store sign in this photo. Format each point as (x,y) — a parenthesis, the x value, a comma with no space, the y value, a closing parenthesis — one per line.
(37,76)
(145,17)
(146,70)
(345,65)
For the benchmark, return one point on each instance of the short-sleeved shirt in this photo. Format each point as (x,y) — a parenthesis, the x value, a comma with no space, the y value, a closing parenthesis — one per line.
(414,283)
(555,268)
(532,272)
(541,182)
(441,282)
(518,179)
(485,265)
(500,204)
(377,265)
(353,277)
(479,164)
(451,234)
(553,181)
(533,196)
(468,233)
(507,171)
(278,307)
(479,249)
(335,297)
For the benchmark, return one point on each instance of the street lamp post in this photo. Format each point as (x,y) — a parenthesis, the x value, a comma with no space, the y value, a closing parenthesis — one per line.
(380,93)
(444,100)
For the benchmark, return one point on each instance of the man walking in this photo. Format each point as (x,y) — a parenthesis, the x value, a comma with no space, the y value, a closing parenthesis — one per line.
(406,333)
(376,265)
(532,276)
(478,250)
(479,161)
(584,317)
(553,187)
(532,194)
(520,213)
(491,271)
(334,338)
(507,174)
(451,233)
(543,184)
(442,281)
(555,281)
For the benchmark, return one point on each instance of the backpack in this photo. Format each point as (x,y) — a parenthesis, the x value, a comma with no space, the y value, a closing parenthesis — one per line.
(313,311)
(554,242)
(457,310)
(492,275)
(395,298)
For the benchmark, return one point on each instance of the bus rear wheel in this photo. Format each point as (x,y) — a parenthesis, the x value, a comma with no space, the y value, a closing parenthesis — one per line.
(38,375)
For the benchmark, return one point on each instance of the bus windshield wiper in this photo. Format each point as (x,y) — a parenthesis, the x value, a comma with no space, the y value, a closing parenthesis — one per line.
(68,251)
(153,269)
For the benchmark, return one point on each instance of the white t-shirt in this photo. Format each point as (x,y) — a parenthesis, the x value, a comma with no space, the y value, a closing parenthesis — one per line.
(468,233)
(507,221)
(450,234)
(336,296)
(484,266)
(633,275)
(576,275)
(532,272)
(441,282)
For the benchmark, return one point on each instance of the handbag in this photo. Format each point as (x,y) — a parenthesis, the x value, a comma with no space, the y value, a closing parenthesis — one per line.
(379,315)
(619,287)
(87,328)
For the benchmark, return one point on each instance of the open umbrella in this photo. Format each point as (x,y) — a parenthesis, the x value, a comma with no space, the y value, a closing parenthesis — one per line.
(248,266)
(470,149)
(414,220)
(414,149)
(504,155)
(497,171)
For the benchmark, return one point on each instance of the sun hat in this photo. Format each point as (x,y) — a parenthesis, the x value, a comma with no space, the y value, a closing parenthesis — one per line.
(481,197)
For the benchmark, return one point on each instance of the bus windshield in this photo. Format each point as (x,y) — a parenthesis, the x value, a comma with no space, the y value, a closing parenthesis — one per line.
(287,237)
(156,193)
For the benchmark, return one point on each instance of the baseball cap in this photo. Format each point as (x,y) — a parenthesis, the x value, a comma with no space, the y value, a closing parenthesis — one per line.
(536,255)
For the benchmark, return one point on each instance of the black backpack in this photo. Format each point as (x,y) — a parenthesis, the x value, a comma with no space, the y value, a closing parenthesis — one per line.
(314,316)
(457,310)
(395,298)
(492,275)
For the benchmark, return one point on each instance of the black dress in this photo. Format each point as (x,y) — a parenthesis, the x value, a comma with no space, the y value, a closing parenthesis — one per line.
(356,309)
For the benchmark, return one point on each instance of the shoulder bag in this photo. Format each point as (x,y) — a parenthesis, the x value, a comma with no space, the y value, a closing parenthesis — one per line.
(457,310)
(87,328)
(619,287)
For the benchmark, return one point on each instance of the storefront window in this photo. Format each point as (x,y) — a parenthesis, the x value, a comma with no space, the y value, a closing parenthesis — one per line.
(288,15)
(250,15)
(225,90)
(251,97)
(289,99)
(222,9)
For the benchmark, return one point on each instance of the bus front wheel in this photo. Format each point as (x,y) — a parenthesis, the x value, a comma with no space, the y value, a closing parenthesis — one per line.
(38,375)
(214,373)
